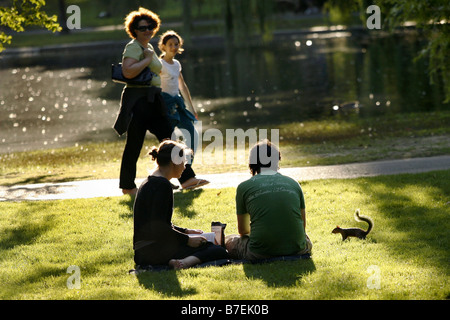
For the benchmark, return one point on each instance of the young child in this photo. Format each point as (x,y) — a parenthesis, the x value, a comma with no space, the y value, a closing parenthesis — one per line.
(172,84)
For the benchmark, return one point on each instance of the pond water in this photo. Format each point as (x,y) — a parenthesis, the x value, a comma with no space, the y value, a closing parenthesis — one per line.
(65,97)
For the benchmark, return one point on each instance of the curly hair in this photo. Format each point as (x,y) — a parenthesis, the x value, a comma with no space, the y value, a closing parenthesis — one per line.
(133,18)
(166,36)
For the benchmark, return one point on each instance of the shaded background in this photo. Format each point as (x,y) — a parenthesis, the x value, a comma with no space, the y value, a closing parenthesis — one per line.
(62,95)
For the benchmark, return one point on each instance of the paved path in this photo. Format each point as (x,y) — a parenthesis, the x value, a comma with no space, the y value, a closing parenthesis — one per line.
(109,187)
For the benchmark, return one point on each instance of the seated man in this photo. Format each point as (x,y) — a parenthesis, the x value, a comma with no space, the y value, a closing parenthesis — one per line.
(270,211)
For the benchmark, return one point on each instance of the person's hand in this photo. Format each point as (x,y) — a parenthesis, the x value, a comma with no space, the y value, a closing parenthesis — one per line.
(196,241)
(148,54)
(194,231)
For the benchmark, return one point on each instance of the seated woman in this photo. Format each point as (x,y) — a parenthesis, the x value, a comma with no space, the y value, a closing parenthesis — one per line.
(156,240)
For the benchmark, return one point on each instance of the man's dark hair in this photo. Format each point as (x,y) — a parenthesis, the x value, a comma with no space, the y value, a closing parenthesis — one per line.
(264,155)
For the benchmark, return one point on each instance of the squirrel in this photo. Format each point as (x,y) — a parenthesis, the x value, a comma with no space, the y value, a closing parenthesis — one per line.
(355,232)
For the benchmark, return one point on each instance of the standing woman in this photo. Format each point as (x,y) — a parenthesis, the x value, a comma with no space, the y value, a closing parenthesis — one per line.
(156,241)
(142,107)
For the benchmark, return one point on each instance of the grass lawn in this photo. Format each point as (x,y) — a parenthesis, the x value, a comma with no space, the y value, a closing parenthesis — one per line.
(309,143)
(407,253)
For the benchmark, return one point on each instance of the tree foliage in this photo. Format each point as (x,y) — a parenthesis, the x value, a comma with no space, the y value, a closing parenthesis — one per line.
(20,14)
(239,17)
(431,17)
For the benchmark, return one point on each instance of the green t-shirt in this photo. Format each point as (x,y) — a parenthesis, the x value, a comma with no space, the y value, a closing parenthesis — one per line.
(134,50)
(274,203)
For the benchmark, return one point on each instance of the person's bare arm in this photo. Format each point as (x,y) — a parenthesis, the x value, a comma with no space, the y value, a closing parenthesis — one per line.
(132,67)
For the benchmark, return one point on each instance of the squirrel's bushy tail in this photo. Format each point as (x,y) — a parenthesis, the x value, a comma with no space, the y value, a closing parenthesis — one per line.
(364,219)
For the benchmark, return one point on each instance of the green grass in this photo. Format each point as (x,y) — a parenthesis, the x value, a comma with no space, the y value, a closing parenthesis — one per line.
(319,142)
(409,245)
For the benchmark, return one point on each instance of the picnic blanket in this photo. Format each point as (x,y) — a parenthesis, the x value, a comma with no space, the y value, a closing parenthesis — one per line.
(222,262)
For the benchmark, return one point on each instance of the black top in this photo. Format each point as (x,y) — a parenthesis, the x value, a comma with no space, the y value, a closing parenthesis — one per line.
(155,238)
(127,101)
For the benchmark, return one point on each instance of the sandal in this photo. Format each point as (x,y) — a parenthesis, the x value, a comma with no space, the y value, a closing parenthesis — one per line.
(200,182)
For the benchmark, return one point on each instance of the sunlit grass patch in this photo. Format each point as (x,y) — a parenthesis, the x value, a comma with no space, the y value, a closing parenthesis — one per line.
(302,144)
(404,257)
